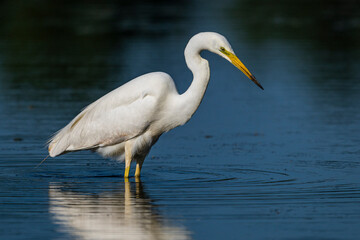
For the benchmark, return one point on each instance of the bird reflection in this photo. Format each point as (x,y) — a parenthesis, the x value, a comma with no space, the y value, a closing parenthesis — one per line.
(128,214)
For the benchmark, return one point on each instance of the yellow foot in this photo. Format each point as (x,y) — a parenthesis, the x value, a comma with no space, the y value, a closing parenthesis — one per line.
(138,170)
(127,170)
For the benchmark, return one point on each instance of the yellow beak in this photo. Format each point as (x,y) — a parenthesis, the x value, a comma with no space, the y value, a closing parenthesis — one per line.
(237,63)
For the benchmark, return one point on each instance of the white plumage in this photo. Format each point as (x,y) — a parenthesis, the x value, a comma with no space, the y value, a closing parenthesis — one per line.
(126,122)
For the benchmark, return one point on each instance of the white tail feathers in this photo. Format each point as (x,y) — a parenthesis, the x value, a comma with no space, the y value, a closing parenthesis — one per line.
(55,150)
(58,144)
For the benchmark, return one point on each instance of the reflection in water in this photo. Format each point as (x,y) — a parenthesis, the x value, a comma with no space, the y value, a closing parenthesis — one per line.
(126,214)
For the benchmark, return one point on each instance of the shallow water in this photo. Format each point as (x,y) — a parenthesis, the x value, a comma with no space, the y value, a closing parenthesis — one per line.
(276,164)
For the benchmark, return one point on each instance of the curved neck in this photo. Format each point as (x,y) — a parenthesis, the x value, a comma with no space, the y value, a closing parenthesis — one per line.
(193,96)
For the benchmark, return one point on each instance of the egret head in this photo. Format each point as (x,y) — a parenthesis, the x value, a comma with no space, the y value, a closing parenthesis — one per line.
(220,46)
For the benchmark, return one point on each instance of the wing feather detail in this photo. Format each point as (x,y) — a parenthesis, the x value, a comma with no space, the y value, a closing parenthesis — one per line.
(105,122)
(118,116)
(101,126)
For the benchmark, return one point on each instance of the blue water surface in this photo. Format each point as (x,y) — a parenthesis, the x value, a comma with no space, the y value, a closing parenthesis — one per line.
(282,163)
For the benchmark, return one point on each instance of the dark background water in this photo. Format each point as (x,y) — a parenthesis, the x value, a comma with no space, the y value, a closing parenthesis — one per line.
(276,164)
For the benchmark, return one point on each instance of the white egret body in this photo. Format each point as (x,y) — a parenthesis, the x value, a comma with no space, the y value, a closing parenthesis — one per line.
(126,122)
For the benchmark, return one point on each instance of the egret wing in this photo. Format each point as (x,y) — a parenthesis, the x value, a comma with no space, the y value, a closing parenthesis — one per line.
(108,121)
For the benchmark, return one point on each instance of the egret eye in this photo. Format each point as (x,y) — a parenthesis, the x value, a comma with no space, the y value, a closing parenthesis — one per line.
(224,51)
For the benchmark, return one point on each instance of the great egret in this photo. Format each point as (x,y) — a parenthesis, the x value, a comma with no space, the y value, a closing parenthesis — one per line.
(127,121)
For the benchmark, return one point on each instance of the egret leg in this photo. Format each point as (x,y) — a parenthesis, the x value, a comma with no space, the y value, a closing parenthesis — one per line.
(126,173)
(138,168)
(127,159)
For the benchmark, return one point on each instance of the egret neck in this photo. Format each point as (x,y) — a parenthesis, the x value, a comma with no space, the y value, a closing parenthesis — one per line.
(191,99)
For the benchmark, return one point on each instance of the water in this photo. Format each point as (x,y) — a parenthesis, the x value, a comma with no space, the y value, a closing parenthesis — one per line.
(276,164)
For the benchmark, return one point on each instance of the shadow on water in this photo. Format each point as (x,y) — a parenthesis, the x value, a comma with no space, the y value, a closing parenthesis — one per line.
(124,213)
